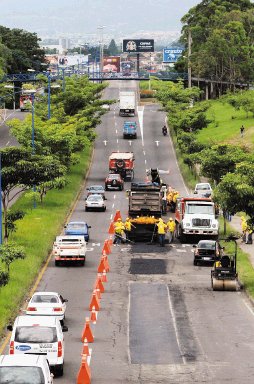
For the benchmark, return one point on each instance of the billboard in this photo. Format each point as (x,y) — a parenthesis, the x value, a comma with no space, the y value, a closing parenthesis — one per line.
(66,59)
(111,64)
(171,55)
(140,45)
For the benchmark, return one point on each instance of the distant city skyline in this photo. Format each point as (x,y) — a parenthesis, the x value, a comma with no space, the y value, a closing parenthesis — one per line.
(80,18)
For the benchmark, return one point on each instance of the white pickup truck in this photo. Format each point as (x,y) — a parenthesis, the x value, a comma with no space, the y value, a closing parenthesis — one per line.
(69,248)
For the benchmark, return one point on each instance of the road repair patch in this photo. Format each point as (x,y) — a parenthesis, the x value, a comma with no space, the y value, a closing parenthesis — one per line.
(148,267)
(152,337)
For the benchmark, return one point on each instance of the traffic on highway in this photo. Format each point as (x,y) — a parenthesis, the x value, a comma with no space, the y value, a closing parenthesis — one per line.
(132,311)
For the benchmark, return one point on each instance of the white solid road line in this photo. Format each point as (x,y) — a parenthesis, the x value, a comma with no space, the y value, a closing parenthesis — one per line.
(175,326)
(140,119)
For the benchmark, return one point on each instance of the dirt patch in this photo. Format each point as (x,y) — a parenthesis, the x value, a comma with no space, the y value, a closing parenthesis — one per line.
(148,267)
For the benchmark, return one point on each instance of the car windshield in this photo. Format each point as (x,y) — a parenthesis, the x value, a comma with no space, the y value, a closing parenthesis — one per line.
(202,187)
(45,299)
(206,245)
(96,188)
(95,198)
(200,208)
(21,375)
(35,334)
(79,226)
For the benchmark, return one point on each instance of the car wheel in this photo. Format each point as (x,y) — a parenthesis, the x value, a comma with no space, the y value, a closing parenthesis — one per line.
(86,209)
(59,370)
(105,209)
(57,263)
(106,188)
(82,263)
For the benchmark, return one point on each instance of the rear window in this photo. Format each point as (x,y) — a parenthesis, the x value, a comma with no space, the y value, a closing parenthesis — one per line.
(21,375)
(45,299)
(95,198)
(76,226)
(205,245)
(36,334)
(202,187)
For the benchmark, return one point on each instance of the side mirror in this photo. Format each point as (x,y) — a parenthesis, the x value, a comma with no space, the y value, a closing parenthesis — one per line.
(65,226)
(89,226)
(194,246)
(65,300)
(65,328)
(9,327)
(195,192)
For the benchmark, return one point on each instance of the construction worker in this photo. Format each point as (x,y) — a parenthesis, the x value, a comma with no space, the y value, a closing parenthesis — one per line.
(162,229)
(248,236)
(171,229)
(119,232)
(128,225)
(244,226)
(164,199)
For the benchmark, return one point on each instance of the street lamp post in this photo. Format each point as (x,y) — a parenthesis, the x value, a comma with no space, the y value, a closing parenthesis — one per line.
(1,202)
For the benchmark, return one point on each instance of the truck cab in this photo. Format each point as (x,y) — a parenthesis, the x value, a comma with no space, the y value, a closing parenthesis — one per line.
(196,216)
(123,164)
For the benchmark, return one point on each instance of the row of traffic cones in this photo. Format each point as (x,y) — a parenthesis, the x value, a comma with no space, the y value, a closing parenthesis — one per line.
(84,374)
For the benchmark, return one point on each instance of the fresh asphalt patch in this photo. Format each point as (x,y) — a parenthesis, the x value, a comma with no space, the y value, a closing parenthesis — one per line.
(148,267)
(152,337)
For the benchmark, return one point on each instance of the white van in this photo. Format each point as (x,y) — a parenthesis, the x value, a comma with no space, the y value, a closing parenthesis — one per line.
(24,369)
(39,335)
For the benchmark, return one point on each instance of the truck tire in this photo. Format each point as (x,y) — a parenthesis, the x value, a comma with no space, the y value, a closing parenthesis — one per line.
(182,237)
(57,263)
(59,370)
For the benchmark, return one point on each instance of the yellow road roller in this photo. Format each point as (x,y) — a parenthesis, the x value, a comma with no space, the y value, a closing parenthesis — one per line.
(224,276)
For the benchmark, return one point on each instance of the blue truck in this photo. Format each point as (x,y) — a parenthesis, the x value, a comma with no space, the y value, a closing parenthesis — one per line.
(130,130)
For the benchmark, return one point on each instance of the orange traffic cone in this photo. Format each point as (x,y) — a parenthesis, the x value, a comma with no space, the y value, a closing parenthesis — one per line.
(98,293)
(110,240)
(99,283)
(104,277)
(102,265)
(85,350)
(93,317)
(106,263)
(84,374)
(94,302)
(117,216)
(106,248)
(111,229)
(87,332)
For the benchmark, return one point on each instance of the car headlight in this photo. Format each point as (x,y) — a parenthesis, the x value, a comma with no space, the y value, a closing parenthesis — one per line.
(214,225)
(187,224)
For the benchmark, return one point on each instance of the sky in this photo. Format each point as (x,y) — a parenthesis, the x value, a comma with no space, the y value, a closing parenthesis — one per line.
(119,17)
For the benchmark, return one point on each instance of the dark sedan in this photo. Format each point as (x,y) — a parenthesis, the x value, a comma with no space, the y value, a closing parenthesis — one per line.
(207,251)
(114,181)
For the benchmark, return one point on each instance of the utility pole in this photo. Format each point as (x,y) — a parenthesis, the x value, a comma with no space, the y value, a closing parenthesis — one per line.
(189,55)
(101,47)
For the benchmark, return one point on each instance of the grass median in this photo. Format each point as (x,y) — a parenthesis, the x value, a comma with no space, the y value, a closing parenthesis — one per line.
(36,233)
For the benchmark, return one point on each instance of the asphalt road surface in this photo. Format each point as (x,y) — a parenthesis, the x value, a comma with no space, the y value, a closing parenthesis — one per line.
(159,322)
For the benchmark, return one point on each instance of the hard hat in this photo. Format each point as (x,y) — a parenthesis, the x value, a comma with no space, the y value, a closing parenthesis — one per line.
(170,219)
(127,218)
(160,219)
(119,219)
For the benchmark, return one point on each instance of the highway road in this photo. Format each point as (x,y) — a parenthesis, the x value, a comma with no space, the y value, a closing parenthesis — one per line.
(6,139)
(159,322)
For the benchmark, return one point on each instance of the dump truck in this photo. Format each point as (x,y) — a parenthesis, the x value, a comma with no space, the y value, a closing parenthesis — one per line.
(196,217)
(69,248)
(145,208)
(122,163)
(127,103)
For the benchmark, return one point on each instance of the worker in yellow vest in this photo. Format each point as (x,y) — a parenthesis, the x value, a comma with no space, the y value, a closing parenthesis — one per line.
(162,229)
(171,229)
(119,232)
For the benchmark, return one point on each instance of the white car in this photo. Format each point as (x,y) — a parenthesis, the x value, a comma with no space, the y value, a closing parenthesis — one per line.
(203,190)
(47,304)
(25,369)
(95,202)
(39,335)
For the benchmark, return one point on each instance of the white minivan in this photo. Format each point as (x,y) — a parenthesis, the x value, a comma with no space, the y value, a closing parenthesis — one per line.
(39,335)
(24,369)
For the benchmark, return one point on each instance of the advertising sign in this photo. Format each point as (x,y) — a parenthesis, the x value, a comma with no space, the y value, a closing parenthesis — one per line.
(72,59)
(140,45)
(171,55)
(111,64)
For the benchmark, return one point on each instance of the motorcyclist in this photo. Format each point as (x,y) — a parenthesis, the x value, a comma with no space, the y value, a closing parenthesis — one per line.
(164,130)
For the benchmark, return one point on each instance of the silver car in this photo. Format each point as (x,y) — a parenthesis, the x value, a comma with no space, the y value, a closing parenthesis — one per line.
(95,203)
(203,190)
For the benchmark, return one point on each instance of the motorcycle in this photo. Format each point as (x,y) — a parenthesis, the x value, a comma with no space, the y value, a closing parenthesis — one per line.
(164,131)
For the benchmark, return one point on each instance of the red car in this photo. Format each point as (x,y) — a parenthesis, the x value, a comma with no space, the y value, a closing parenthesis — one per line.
(114,181)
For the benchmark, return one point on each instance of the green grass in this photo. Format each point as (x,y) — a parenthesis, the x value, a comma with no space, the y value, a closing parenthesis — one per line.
(36,233)
(225,126)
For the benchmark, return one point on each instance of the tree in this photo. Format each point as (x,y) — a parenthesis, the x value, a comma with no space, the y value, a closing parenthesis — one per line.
(9,253)
(22,170)
(24,48)
(235,192)
(218,160)
(112,48)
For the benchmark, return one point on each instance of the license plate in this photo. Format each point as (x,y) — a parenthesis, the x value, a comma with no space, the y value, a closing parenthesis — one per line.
(46,345)
(206,258)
